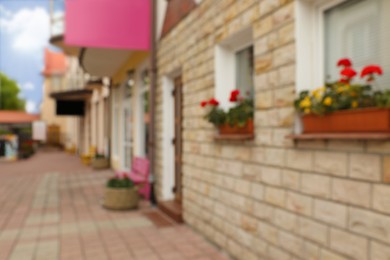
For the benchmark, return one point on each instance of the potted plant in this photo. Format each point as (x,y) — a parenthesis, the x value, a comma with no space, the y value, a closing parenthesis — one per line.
(121,194)
(71,149)
(26,149)
(100,162)
(345,107)
(86,159)
(238,120)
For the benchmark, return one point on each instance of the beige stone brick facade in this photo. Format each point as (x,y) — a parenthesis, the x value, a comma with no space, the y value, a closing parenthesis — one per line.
(269,198)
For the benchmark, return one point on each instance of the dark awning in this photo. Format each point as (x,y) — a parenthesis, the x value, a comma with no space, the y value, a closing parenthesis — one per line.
(72,102)
(80,94)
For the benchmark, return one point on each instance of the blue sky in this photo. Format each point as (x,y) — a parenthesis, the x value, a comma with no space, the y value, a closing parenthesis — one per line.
(24,33)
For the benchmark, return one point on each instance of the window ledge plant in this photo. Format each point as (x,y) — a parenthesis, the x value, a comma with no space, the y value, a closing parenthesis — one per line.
(121,194)
(344,106)
(238,120)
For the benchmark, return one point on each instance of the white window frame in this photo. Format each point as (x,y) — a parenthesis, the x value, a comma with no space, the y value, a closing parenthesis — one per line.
(116,112)
(126,144)
(140,130)
(310,46)
(225,64)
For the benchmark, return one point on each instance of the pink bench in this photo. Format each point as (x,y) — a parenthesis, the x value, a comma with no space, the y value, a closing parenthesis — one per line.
(139,174)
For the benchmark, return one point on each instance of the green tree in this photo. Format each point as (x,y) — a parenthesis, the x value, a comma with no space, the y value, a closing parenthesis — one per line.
(9,91)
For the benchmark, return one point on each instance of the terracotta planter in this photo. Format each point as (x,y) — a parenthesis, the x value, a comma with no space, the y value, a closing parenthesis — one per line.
(367,120)
(235,130)
(100,163)
(121,199)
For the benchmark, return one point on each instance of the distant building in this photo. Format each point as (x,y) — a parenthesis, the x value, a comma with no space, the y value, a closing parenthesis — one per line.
(15,131)
(54,71)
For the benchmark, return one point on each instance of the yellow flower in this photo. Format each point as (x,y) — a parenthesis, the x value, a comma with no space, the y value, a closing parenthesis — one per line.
(355,104)
(340,89)
(318,93)
(305,103)
(343,88)
(328,101)
(307,111)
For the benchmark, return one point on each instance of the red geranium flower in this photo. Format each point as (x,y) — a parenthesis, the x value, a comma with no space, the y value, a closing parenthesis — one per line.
(234,95)
(233,99)
(348,73)
(213,102)
(345,63)
(370,70)
(203,103)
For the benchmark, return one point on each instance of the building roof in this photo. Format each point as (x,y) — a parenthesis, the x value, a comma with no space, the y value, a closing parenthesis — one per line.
(55,63)
(17,117)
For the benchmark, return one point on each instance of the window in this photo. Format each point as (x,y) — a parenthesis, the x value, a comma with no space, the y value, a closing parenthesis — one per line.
(146,121)
(56,83)
(360,30)
(328,30)
(127,137)
(234,66)
(116,113)
(130,83)
(144,116)
(244,71)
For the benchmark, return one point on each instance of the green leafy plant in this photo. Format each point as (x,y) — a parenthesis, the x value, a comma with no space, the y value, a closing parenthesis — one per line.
(120,183)
(342,94)
(9,94)
(100,156)
(26,148)
(5,132)
(238,115)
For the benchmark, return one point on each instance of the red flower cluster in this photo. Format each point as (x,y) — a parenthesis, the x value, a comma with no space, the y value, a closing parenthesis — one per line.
(371,70)
(234,95)
(212,102)
(346,63)
(348,73)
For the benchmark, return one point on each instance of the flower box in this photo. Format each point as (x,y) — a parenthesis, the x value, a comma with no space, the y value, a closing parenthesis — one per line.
(226,129)
(237,122)
(367,120)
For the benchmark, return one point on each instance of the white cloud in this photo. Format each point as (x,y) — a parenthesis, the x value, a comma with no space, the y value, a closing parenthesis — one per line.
(58,14)
(4,12)
(28,86)
(31,106)
(29,29)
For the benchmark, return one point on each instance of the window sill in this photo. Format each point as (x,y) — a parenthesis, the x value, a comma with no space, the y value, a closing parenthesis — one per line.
(237,137)
(340,136)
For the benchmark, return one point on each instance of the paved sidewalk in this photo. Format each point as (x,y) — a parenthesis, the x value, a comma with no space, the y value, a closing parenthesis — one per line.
(50,208)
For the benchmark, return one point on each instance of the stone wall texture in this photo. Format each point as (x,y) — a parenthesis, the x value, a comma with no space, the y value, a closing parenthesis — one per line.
(270,198)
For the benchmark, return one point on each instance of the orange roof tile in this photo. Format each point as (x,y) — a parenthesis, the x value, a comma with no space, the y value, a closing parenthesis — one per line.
(55,63)
(16,117)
